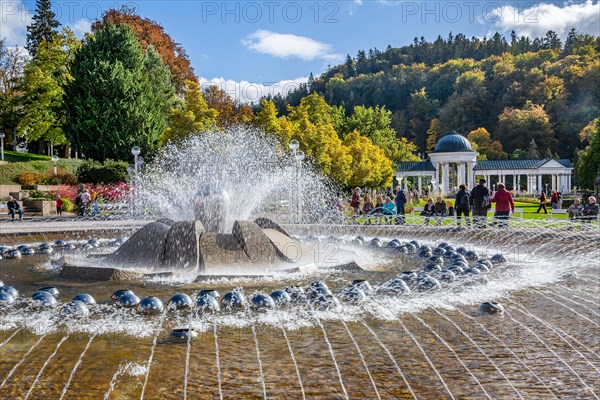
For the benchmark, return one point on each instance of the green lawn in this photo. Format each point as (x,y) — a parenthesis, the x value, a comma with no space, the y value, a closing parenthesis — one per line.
(13,156)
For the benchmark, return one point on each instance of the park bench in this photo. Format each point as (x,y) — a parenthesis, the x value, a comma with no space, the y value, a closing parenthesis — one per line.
(27,211)
(556,211)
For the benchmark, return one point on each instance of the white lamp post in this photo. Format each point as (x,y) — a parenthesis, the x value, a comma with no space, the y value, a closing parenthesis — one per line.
(2,145)
(136,152)
(55,160)
(299,157)
(294,144)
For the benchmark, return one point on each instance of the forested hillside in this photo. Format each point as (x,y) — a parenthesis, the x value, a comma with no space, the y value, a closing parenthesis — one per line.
(516,90)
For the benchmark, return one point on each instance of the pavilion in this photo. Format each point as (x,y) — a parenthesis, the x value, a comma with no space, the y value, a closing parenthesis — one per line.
(453,161)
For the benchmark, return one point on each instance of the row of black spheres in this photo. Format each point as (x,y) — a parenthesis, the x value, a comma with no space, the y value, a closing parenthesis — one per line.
(10,253)
(443,264)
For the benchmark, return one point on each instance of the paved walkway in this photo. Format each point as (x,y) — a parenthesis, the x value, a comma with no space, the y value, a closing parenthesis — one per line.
(56,226)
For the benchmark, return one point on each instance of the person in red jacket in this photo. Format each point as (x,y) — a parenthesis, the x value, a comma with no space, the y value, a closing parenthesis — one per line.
(504,205)
(59,205)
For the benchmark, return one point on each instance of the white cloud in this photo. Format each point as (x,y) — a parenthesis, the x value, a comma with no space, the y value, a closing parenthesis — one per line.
(81,27)
(14,19)
(538,18)
(252,92)
(282,45)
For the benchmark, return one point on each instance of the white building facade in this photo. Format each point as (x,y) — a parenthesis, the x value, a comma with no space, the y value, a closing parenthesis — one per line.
(454,162)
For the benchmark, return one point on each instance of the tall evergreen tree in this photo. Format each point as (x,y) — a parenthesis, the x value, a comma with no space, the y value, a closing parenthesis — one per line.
(119,97)
(43,27)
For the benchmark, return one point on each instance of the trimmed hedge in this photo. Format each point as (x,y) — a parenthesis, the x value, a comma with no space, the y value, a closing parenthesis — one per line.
(107,173)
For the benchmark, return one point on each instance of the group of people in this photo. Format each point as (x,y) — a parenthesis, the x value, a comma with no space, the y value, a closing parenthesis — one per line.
(382,206)
(478,201)
(589,212)
(85,201)
(555,201)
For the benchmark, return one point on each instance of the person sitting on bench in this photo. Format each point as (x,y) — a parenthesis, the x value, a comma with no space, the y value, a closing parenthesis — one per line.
(14,208)
(575,211)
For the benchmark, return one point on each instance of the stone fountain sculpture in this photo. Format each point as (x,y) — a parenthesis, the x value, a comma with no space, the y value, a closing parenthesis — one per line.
(198,246)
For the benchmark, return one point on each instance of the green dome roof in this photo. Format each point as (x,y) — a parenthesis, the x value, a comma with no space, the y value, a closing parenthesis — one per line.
(452,142)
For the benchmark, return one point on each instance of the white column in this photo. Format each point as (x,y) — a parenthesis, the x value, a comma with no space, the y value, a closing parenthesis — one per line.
(406,184)
(445,177)
(470,176)
(540,189)
(516,183)
(529,185)
(437,176)
(569,181)
(420,184)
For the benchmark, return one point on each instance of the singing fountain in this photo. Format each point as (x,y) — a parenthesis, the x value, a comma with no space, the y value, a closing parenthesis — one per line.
(433,313)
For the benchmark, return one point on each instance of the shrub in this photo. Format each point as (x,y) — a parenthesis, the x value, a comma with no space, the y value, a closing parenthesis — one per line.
(94,172)
(68,205)
(29,178)
(62,177)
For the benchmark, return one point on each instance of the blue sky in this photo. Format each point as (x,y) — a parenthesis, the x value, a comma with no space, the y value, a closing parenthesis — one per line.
(272,41)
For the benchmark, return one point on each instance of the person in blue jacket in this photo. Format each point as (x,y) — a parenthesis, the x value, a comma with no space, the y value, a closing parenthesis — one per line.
(388,207)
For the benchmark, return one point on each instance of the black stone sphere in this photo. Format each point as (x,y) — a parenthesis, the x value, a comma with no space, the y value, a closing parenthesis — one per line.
(84,298)
(4,250)
(234,300)
(43,299)
(150,305)
(93,242)
(376,242)
(435,260)
(485,262)
(427,284)
(471,255)
(128,299)
(59,243)
(410,247)
(118,293)
(207,304)
(261,301)
(461,250)
(184,333)
(393,245)
(446,275)
(408,276)
(450,248)
(180,301)
(395,286)
(75,309)
(10,290)
(491,307)
(363,285)
(318,288)
(401,249)
(449,254)
(456,269)
(424,253)
(472,271)
(50,289)
(281,297)
(45,246)
(27,251)
(326,303)
(69,246)
(432,268)
(498,259)
(297,293)
(458,257)
(353,295)
(481,267)
(438,251)
(209,292)
(6,299)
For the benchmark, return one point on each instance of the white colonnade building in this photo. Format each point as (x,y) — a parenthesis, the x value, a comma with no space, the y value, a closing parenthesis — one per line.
(453,161)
